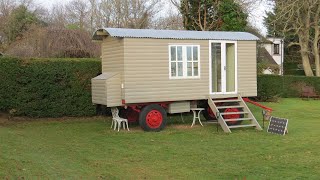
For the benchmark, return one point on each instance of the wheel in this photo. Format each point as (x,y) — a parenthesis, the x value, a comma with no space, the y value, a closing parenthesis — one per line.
(208,114)
(232,116)
(130,114)
(102,110)
(153,118)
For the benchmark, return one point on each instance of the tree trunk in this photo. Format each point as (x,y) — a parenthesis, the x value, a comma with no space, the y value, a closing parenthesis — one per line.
(304,45)
(305,57)
(306,64)
(316,41)
(316,57)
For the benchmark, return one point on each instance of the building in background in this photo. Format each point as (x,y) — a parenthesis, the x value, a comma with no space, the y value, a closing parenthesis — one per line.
(275,48)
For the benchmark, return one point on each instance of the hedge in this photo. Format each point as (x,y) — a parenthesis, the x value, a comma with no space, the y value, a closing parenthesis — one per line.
(47,87)
(271,87)
(61,87)
(291,68)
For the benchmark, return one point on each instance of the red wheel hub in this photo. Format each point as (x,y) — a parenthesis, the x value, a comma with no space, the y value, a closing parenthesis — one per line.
(154,119)
(231,116)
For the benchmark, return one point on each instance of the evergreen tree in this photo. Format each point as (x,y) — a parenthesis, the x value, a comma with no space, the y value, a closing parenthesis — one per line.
(232,16)
(213,15)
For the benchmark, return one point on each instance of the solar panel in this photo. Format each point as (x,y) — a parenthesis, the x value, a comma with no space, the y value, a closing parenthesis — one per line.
(278,125)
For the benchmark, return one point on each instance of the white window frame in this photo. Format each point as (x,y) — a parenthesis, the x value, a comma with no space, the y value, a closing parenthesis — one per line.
(185,61)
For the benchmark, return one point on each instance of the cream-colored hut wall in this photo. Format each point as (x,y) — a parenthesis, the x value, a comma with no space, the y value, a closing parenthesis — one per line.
(112,55)
(247,68)
(114,91)
(98,90)
(146,67)
(113,61)
(146,71)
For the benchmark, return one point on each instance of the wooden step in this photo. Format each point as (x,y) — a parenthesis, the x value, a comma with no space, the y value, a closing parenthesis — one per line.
(227,100)
(240,126)
(224,107)
(229,113)
(239,119)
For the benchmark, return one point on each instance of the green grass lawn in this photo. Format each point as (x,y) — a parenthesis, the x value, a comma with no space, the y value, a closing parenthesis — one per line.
(89,149)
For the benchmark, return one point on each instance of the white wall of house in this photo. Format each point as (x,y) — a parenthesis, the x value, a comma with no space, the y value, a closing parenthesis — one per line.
(276,50)
(268,71)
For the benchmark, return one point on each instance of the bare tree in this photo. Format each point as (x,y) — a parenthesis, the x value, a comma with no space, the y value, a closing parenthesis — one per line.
(58,16)
(6,6)
(131,13)
(55,42)
(170,18)
(104,11)
(204,17)
(77,12)
(301,18)
(94,15)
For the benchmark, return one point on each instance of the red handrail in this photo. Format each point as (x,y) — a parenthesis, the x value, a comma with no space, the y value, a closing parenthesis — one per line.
(257,104)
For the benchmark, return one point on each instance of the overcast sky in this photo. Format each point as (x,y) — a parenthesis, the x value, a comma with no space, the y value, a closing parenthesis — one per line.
(49,3)
(256,19)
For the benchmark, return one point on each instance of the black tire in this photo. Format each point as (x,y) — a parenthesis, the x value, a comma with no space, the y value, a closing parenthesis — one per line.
(123,113)
(207,115)
(206,112)
(102,110)
(240,116)
(153,118)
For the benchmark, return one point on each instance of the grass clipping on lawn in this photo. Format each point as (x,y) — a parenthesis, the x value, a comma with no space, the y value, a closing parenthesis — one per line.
(88,148)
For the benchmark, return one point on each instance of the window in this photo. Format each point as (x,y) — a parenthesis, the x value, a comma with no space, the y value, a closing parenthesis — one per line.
(276,49)
(184,61)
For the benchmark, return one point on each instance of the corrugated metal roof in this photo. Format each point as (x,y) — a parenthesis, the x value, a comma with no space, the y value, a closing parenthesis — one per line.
(175,34)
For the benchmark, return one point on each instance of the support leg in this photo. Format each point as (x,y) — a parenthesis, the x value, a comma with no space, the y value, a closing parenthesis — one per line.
(127,126)
(194,118)
(115,125)
(199,118)
(181,117)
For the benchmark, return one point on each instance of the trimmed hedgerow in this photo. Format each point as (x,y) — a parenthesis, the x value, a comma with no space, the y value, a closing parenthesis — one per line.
(47,87)
(271,87)
(62,87)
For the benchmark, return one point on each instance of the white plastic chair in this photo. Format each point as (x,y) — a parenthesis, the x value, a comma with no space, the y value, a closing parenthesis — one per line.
(118,121)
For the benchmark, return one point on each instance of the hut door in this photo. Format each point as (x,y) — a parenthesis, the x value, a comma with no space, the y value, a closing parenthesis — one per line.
(223,71)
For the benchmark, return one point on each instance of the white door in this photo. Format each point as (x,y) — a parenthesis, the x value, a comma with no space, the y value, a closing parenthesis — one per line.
(223,67)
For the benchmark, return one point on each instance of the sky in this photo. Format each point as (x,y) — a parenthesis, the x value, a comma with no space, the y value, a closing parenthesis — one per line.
(256,17)
(49,3)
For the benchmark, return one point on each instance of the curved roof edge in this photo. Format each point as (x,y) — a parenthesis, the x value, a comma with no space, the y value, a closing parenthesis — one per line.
(173,34)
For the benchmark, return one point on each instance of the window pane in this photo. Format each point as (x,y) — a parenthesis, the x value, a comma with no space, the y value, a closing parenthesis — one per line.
(189,53)
(189,67)
(276,48)
(180,69)
(216,67)
(230,67)
(195,53)
(173,69)
(195,69)
(179,52)
(173,53)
